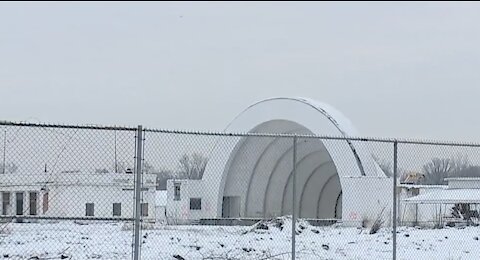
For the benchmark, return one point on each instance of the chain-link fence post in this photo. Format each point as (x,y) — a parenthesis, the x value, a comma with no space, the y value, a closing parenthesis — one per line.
(394,217)
(138,189)
(294,184)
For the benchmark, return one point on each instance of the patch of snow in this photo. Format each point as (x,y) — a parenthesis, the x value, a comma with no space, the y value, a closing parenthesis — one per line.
(269,238)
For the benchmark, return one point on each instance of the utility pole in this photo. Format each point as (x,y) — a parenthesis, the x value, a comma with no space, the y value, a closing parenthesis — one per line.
(4,149)
(115,150)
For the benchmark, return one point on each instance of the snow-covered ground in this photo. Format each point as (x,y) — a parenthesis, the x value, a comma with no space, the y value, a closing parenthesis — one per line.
(68,240)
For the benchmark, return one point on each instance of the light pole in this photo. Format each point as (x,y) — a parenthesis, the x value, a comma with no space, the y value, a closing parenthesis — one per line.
(4,148)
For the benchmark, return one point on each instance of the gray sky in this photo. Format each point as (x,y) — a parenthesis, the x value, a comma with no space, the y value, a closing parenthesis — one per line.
(395,69)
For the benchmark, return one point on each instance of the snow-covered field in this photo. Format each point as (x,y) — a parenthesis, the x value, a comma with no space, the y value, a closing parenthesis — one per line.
(68,240)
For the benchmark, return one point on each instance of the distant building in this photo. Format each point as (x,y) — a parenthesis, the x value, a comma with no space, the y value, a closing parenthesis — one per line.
(74,195)
(413,178)
(434,204)
(411,214)
(251,178)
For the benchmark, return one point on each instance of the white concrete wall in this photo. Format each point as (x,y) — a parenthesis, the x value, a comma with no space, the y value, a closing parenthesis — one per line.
(178,211)
(161,205)
(71,201)
(69,193)
(161,213)
(365,197)
(419,214)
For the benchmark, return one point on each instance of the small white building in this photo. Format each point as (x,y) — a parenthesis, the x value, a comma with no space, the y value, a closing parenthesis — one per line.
(74,195)
(412,214)
(184,201)
(433,205)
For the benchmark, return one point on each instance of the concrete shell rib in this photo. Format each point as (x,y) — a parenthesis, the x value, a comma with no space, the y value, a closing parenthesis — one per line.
(288,115)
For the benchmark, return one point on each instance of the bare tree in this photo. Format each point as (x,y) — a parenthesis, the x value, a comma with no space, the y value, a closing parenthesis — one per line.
(438,169)
(162,178)
(461,163)
(192,166)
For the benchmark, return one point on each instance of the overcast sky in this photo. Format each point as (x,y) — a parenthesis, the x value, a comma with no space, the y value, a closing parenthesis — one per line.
(394,69)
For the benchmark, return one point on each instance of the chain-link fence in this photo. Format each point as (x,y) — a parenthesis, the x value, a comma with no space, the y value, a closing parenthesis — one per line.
(89,192)
(66,190)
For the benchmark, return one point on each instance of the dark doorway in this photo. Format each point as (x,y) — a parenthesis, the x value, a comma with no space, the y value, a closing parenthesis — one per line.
(19,203)
(231,207)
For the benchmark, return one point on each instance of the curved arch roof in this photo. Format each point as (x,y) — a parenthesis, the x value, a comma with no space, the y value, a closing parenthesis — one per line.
(317,118)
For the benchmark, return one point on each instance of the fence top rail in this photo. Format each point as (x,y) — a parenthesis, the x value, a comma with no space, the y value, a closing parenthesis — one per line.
(249,134)
(323,137)
(46,125)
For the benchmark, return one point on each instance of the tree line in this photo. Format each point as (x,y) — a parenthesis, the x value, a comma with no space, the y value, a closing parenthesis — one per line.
(190,166)
(435,171)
